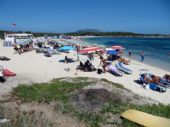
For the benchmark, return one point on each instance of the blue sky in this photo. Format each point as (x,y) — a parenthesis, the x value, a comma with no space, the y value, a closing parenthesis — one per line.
(142,16)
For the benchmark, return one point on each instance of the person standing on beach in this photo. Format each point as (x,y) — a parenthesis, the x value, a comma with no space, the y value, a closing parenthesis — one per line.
(91,56)
(77,49)
(142,54)
(103,62)
(130,55)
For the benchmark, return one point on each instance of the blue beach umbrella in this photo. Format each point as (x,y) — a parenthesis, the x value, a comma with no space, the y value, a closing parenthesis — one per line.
(66,48)
(112,52)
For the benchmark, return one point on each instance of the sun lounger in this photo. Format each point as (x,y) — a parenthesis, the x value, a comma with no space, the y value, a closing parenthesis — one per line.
(122,67)
(112,69)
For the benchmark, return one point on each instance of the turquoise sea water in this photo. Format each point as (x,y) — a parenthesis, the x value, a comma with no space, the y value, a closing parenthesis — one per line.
(157,50)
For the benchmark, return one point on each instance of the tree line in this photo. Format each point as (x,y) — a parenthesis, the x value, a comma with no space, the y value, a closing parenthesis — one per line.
(40,34)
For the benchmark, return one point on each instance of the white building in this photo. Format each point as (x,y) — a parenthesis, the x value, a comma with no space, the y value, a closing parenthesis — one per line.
(13,38)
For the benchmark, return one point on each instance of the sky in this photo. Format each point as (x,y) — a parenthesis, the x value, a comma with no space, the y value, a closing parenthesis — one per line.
(140,16)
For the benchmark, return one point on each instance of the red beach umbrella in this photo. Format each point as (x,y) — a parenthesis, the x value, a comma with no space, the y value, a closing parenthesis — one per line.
(117,47)
(90,49)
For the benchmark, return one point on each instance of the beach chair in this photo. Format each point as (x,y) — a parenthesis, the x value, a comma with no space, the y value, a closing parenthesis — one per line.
(122,67)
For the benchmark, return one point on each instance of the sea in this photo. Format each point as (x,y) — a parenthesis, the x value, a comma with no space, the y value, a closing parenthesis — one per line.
(157,50)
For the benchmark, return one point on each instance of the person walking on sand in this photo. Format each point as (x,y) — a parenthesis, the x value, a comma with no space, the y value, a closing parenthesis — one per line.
(142,54)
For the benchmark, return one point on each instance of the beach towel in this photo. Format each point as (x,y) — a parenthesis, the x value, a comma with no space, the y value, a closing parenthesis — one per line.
(8,73)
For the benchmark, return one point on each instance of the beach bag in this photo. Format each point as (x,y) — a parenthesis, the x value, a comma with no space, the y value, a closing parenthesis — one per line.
(99,71)
(2,79)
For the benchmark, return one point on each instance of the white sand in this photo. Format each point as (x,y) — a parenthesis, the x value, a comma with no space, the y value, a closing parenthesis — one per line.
(34,68)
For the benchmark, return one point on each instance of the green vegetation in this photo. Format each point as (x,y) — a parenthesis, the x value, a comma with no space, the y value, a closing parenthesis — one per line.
(116,34)
(96,119)
(89,32)
(104,34)
(57,90)
(118,108)
(62,91)
(16,118)
(92,119)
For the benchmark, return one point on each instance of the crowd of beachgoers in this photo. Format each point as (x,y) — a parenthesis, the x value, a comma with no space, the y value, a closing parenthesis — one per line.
(45,59)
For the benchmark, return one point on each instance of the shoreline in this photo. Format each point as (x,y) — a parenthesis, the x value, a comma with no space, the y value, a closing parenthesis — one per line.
(134,57)
(32,68)
(127,36)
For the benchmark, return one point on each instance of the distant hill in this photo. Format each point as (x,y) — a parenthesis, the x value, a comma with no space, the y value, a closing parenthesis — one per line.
(88,31)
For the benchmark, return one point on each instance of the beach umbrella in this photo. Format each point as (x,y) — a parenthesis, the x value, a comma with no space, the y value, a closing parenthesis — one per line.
(111,52)
(90,49)
(117,47)
(66,48)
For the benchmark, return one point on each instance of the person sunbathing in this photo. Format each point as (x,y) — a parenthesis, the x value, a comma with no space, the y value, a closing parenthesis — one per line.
(87,67)
(123,60)
(152,79)
(167,77)
(156,79)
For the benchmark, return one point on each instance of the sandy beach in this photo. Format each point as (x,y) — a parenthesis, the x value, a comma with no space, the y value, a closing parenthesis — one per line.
(31,68)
